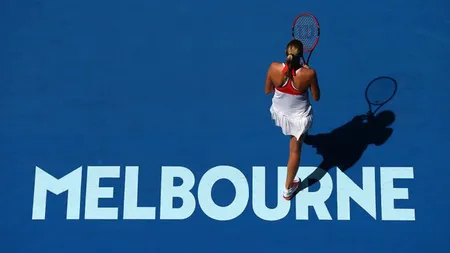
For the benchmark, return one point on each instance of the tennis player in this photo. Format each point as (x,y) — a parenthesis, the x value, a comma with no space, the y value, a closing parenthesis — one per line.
(291,108)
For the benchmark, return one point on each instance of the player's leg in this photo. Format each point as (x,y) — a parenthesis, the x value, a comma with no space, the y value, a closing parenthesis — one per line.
(295,148)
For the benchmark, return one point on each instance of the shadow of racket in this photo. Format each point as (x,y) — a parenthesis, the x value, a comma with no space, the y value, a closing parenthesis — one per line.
(379,92)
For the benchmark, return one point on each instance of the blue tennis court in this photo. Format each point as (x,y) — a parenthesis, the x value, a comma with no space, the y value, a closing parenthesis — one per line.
(143,126)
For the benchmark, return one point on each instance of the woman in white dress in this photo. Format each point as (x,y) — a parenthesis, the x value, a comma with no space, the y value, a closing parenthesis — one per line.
(291,108)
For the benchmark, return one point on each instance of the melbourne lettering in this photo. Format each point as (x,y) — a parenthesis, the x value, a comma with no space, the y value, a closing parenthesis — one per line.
(246,189)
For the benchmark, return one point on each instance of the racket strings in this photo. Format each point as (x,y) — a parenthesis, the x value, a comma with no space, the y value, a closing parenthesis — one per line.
(381,91)
(306,30)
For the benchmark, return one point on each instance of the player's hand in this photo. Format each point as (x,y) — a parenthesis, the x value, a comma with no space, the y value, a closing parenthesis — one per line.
(306,66)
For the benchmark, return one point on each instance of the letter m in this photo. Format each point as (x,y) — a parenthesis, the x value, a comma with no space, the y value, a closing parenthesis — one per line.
(45,182)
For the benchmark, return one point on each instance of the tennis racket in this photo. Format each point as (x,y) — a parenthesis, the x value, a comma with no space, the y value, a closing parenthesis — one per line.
(380,91)
(306,29)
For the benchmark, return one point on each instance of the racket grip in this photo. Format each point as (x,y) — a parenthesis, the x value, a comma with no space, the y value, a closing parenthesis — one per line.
(304,62)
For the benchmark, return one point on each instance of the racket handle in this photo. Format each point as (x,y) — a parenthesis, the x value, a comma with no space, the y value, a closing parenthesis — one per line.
(309,57)
(303,62)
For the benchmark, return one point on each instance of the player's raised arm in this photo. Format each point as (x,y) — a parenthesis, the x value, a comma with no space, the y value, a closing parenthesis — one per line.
(315,89)
(268,88)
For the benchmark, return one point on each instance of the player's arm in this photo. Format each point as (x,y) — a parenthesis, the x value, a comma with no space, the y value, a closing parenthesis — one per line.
(268,88)
(315,89)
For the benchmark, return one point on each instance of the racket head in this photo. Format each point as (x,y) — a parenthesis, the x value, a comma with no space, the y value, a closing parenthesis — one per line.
(381,90)
(306,29)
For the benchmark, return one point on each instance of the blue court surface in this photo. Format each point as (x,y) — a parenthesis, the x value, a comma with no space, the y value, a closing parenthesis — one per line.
(143,126)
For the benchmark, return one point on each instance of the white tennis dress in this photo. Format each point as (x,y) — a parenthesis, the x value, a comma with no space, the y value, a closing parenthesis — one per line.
(291,110)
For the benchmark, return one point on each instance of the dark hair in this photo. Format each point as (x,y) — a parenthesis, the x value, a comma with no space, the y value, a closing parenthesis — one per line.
(294,50)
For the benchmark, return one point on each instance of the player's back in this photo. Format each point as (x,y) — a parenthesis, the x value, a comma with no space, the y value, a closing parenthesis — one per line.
(291,97)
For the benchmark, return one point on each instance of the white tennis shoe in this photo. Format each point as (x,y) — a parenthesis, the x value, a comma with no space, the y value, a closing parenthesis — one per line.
(288,194)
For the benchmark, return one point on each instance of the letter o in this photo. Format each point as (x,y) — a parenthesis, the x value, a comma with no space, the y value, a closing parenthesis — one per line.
(237,206)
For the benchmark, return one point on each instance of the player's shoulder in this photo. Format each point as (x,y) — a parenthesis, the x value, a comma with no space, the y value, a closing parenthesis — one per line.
(309,71)
(275,67)
(276,64)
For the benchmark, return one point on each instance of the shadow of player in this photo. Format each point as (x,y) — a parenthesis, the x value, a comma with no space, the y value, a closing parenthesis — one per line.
(345,145)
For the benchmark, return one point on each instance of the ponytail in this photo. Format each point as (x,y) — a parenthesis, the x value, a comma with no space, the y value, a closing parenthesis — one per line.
(294,50)
(289,59)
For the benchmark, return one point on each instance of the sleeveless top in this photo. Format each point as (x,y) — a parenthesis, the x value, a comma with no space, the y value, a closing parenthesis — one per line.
(290,101)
